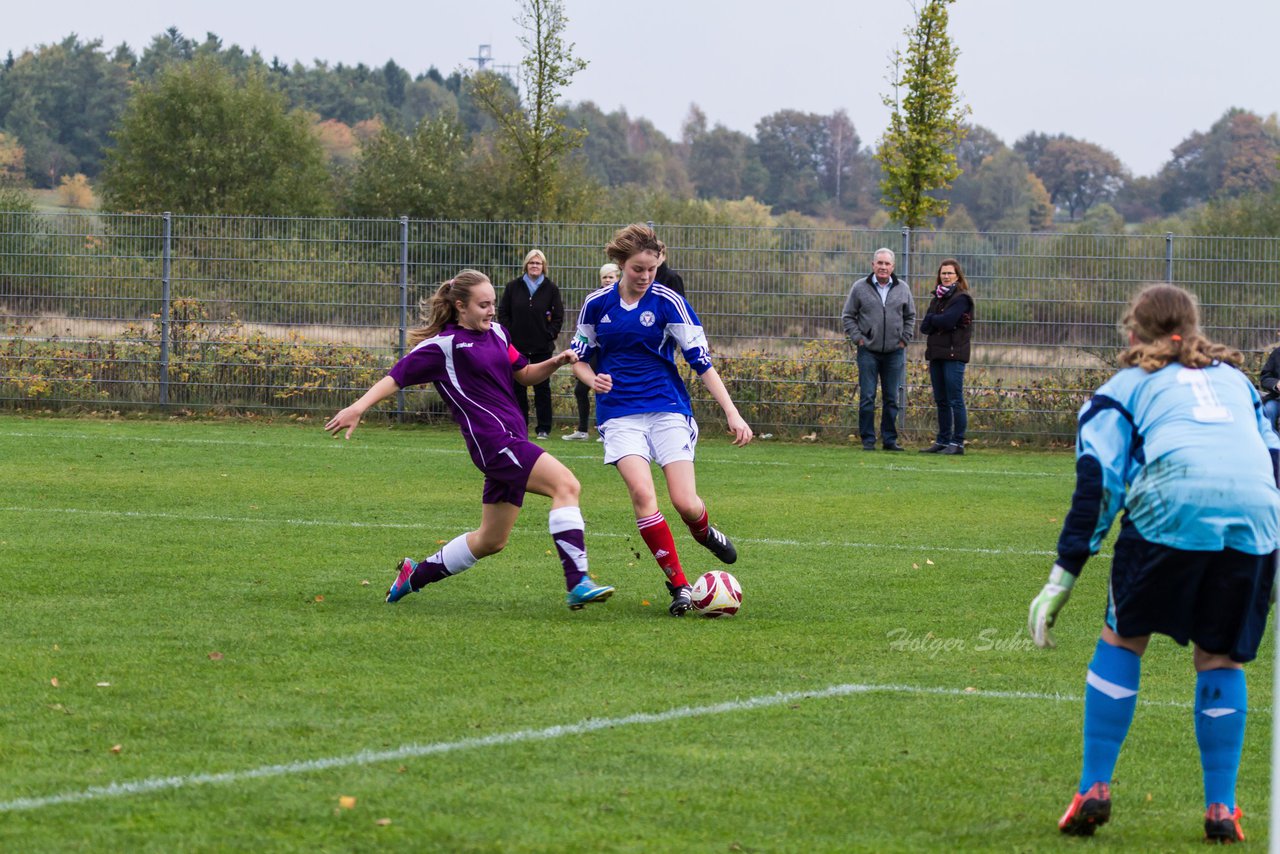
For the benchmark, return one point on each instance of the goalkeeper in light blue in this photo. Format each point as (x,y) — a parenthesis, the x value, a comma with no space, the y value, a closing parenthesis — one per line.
(1176,440)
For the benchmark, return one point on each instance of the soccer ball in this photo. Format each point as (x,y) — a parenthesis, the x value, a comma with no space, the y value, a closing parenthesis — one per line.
(717,594)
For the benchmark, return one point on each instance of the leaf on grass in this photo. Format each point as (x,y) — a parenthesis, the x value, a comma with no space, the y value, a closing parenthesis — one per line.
(319,598)
(54,681)
(402,769)
(347,802)
(644,602)
(364,583)
(915,566)
(440,542)
(56,647)
(215,656)
(970,690)
(926,560)
(116,748)
(383,822)
(103,685)
(1148,797)
(548,552)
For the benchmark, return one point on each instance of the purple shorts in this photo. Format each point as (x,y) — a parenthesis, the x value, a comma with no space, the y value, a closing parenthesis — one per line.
(507,474)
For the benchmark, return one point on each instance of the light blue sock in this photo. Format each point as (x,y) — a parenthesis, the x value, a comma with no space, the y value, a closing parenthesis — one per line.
(1110,696)
(1220,713)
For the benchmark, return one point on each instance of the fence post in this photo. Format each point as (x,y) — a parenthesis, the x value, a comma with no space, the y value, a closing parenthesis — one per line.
(1168,257)
(165,270)
(404,306)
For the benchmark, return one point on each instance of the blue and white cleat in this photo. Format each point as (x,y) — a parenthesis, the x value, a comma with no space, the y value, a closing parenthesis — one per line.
(401,587)
(587,592)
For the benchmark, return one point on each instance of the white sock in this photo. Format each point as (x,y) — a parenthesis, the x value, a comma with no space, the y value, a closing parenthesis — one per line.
(457,556)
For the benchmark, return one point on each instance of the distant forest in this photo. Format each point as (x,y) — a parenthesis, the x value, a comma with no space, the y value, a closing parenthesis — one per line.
(60,105)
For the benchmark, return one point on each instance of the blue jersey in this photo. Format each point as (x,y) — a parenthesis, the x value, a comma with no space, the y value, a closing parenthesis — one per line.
(1186,453)
(636,346)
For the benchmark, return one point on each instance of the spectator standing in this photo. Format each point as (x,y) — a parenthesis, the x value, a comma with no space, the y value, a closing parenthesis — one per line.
(948,323)
(880,319)
(532,311)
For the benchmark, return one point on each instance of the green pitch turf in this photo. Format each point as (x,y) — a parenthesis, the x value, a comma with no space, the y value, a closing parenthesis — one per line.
(196,656)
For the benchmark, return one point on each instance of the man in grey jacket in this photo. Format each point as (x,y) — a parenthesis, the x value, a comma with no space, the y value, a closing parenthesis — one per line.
(880,319)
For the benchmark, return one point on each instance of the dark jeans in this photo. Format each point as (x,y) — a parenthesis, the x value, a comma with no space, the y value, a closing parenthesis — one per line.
(541,396)
(947,376)
(889,371)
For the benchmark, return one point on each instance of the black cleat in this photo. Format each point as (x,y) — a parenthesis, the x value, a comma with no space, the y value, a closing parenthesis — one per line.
(720,546)
(681,599)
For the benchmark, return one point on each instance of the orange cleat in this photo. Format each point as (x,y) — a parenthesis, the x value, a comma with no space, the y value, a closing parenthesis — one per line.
(1089,811)
(1222,824)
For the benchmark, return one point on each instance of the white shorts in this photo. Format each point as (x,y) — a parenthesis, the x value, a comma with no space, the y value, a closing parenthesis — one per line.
(660,437)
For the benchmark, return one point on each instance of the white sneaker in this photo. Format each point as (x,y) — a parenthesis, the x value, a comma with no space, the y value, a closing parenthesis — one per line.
(599,438)
(542,436)
(576,436)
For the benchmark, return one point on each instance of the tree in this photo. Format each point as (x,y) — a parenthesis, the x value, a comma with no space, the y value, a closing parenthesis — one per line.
(810,159)
(12,160)
(197,140)
(724,164)
(1079,174)
(531,129)
(1235,157)
(421,176)
(1001,194)
(917,152)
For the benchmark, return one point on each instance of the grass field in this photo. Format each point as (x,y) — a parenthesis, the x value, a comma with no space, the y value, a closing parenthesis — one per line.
(197,657)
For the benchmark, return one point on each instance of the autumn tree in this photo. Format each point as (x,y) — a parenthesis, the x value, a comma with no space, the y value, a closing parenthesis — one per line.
(1235,157)
(530,122)
(917,152)
(1078,174)
(198,140)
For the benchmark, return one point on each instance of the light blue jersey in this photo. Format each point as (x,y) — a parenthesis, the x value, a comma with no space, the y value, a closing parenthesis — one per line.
(1185,452)
(636,345)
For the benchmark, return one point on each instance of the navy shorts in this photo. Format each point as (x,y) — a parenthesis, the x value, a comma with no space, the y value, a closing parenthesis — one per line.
(507,473)
(1219,600)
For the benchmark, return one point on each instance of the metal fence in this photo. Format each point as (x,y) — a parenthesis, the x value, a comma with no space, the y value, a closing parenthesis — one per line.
(236,314)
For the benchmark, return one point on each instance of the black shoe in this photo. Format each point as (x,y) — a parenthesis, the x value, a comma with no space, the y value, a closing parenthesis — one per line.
(952,450)
(720,546)
(894,447)
(868,447)
(681,599)
(933,449)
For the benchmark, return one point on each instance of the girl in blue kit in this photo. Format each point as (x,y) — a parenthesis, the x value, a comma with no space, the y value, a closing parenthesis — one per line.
(642,406)
(1177,441)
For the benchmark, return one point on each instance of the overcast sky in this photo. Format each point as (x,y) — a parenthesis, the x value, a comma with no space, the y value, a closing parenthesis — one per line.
(1135,76)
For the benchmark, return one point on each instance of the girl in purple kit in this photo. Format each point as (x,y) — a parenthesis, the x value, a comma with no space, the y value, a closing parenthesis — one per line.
(471,361)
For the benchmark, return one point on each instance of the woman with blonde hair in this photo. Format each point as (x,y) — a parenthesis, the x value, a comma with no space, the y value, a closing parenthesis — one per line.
(1175,440)
(531,309)
(472,363)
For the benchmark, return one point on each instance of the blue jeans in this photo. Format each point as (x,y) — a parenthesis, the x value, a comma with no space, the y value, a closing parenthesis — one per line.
(889,371)
(1271,409)
(947,377)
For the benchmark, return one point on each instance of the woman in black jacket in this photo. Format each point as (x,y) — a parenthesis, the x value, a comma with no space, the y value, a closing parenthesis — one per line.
(531,311)
(948,323)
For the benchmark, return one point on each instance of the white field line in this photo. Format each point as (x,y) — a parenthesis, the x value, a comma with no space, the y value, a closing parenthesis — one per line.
(410,751)
(422,526)
(559,453)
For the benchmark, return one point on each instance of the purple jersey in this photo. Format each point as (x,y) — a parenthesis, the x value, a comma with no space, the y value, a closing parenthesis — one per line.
(472,371)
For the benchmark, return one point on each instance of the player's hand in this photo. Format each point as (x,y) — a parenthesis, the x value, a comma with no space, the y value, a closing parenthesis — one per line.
(741,430)
(566,357)
(347,418)
(603,383)
(1045,607)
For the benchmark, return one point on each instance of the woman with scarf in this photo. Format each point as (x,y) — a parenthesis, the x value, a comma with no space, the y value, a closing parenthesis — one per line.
(948,323)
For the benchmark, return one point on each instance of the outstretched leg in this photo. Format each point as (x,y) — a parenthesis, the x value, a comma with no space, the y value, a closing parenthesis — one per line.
(683,489)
